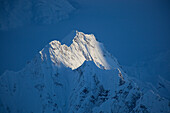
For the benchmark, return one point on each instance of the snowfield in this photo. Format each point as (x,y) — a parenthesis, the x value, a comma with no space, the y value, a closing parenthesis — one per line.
(79,78)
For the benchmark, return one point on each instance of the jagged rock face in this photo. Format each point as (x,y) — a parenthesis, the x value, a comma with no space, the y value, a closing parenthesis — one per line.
(81,78)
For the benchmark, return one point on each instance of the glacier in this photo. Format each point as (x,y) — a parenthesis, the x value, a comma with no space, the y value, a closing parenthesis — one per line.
(82,77)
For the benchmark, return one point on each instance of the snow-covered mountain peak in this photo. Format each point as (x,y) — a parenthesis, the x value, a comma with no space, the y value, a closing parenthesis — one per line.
(92,83)
(84,47)
(54,42)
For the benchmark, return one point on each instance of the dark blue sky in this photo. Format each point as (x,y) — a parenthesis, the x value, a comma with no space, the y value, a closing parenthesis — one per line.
(130,30)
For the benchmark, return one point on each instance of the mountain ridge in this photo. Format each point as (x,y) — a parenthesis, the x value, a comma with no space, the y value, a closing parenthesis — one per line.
(50,84)
(83,47)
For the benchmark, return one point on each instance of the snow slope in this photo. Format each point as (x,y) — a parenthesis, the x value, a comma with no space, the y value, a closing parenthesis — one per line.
(83,48)
(81,78)
(153,73)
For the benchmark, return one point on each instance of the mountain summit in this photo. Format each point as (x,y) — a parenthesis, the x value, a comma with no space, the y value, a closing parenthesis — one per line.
(84,47)
(80,78)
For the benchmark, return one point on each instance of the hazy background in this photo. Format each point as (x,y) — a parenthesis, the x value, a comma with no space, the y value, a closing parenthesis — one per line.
(131,30)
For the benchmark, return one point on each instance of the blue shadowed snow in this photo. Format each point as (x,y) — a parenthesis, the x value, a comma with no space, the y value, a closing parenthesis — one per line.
(130,30)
